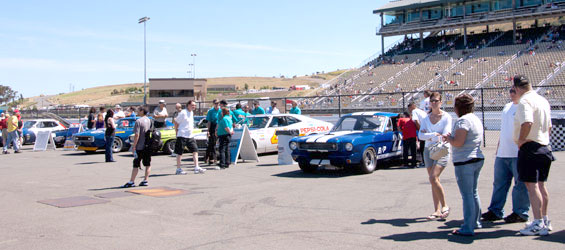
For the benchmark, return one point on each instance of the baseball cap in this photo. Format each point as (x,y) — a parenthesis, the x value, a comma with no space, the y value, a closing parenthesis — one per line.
(161,101)
(118,106)
(520,80)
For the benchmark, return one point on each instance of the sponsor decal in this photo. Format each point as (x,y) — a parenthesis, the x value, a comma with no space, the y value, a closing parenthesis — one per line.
(314,129)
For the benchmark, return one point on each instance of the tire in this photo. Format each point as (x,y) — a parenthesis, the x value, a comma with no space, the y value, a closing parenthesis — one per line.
(118,145)
(307,168)
(169,147)
(369,161)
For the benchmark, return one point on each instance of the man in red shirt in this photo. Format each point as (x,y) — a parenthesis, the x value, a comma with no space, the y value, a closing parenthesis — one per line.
(408,128)
(3,127)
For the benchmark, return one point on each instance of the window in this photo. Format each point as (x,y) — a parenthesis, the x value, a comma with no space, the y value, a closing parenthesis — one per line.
(172,93)
(29,124)
(291,120)
(278,121)
(366,123)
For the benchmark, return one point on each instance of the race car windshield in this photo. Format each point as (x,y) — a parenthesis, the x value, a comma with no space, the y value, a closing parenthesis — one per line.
(364,123)
(29,124)
(125,123)
(257,122)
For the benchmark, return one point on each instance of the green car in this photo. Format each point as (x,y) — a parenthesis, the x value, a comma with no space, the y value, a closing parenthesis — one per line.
(169,137)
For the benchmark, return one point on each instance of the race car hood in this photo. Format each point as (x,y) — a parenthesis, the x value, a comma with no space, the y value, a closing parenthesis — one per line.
(333,137)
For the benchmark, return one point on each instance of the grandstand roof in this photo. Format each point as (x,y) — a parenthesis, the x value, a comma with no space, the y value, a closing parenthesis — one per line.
(403,4)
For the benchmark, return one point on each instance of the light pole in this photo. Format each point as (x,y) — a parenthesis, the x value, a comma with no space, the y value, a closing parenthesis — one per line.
(193,65)
(143,20)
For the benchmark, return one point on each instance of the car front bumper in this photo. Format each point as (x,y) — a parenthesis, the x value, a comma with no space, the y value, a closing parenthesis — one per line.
(335,158)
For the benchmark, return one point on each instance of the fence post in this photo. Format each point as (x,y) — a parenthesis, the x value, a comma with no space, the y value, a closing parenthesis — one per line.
(284,105)
(483,111)
(339,105)
(79,116)
(403,102)
(200,108)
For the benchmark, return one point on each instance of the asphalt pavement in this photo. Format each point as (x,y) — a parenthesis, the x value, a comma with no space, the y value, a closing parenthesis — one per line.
(249,206)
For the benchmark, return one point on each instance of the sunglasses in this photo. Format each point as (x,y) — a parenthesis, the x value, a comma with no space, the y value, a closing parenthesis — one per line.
(433,101)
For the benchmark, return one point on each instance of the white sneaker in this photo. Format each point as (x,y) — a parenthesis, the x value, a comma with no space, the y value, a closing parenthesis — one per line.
(199,170)
(217,168)
(180,172)
(533,228)
(173,155)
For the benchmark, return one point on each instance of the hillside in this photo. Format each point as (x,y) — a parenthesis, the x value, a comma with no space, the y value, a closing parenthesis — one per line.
(133,92)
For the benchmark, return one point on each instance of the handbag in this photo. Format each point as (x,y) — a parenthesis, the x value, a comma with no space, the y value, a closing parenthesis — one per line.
(439,150)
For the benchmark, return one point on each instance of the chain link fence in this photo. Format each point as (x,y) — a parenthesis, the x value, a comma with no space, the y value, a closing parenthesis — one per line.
(489,103)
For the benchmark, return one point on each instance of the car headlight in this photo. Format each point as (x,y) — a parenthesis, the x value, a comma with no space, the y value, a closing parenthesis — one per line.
(293,145)
(348,146)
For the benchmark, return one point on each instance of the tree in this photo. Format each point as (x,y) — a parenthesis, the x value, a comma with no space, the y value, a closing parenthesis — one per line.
(7,94)
(246,86)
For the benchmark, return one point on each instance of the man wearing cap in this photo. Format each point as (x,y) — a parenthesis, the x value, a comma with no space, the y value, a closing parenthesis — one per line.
(258,110)
(160,114)
(12,137)
(532,125)
(118,113)
(3,127)
(212,118)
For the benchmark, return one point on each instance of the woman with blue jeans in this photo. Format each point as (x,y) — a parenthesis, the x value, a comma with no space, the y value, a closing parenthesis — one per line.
(465,139)
(109,135)
(224,133)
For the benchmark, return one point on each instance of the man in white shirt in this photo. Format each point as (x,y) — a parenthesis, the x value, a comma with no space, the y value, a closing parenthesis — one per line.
(273,109)
(506,168)
(532,125)
(160,114)
(118,113)
(425,103)
(185,137)
(418,116)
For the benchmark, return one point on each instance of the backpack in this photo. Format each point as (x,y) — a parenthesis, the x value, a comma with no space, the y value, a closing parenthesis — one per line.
(153,139)
(20,124)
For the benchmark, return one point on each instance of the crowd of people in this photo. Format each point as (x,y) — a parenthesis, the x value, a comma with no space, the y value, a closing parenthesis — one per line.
(11,125)
(522,154)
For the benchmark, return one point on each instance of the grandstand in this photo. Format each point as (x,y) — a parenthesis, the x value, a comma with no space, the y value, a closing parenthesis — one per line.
(456,46)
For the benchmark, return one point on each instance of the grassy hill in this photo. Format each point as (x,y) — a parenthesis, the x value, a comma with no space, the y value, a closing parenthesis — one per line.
(133,92)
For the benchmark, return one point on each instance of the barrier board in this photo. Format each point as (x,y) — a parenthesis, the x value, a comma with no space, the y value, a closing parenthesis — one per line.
(44,141)
(241,144)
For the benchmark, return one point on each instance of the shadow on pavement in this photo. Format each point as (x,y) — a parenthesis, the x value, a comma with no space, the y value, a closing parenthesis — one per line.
(558,237)
(400,222)
(414,236)
(317,174)
(108,188)
(159,175)
(89,163)
(453,224)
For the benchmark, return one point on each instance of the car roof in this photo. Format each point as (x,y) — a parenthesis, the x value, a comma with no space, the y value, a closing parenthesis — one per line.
(388,114)
(43,120)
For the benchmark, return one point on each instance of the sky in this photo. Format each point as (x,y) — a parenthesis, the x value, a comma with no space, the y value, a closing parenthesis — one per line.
(47,46)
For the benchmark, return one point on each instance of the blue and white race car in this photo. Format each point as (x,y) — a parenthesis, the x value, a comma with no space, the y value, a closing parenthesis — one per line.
(358,140)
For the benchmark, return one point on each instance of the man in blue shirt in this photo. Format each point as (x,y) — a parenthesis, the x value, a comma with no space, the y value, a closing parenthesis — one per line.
(224,104)
(239,114)
(212,118)
(295,109)
(258,110)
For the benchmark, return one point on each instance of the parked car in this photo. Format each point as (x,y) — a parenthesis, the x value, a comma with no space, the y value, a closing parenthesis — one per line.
(169,137)
(32,127)
(92,140)
(358,140)
(262,129)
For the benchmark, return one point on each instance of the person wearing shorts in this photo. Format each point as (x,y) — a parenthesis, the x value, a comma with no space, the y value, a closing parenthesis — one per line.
(185,138)
(432,128)
(142,154)
(532,125)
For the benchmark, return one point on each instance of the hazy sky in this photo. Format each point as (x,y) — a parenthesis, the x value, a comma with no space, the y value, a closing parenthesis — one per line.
(48,45)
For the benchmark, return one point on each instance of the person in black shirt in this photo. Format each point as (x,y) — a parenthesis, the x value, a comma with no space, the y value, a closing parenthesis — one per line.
(109,135)
(91,118)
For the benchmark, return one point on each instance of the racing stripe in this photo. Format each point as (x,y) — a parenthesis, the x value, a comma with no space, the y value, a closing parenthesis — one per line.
(314,137)
(335,134)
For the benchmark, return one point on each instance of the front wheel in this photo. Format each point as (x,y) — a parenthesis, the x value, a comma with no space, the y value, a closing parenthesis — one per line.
(307,167)
(369,161)
(169,147)
(118,145)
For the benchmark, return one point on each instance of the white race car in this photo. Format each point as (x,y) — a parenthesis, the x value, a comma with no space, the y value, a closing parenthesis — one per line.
(263,127)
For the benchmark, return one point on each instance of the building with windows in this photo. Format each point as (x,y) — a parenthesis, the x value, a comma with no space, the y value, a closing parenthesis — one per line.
(175,90)
(407,17)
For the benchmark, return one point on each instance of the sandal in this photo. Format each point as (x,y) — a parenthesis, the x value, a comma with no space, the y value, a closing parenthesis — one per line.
(433,217)
(457,232)
(445,212)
